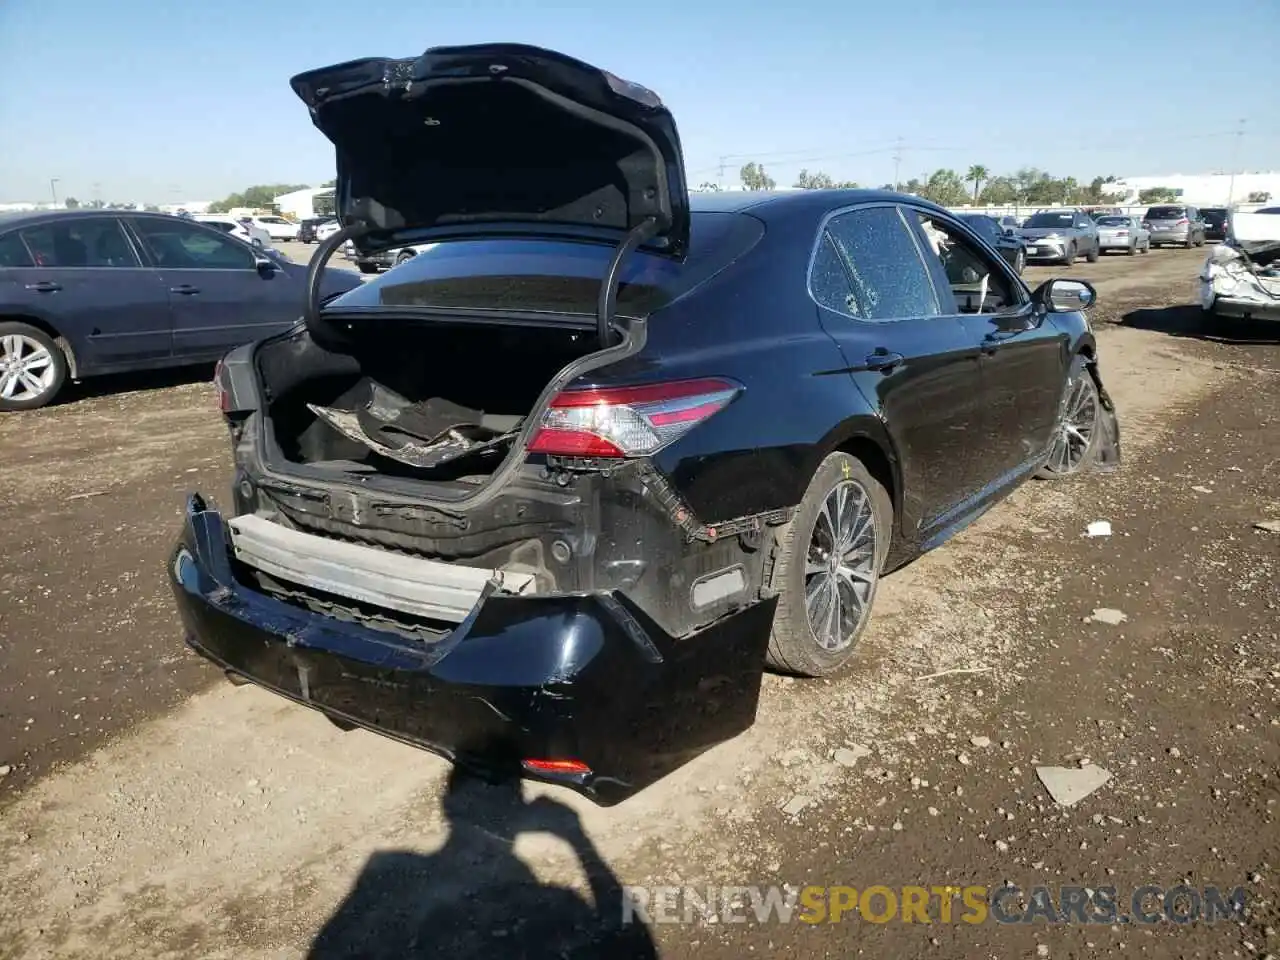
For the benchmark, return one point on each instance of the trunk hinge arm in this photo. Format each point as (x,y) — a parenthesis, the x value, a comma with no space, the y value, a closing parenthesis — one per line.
(608,301)
(311,310)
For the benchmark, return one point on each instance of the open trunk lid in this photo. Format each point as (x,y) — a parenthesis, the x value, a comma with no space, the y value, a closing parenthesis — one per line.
(466,138)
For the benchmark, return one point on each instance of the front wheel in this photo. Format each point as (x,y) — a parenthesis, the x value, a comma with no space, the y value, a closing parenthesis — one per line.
(32,367)
(368,267)
(827,565)
(1075,442)
(1093,254)
(403,257)
(1069,258)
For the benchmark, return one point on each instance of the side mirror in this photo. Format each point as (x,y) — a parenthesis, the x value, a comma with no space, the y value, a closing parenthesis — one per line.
(266,268)
(1065,296)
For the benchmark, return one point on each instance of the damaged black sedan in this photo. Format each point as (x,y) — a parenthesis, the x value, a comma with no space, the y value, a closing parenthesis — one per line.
(548,498)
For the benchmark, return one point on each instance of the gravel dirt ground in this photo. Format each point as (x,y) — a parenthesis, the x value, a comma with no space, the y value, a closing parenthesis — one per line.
(150,811)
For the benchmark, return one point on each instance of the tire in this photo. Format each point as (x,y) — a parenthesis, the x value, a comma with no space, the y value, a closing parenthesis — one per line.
(1069,258)
(404,256)
(794,646)
(1081,410)
(1020,262)
(1189,242)
(22,348)
(1092,255)
(368,267)
(1132,251)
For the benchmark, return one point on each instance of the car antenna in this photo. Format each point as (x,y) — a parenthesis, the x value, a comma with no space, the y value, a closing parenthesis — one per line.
(608,300)
(311,310)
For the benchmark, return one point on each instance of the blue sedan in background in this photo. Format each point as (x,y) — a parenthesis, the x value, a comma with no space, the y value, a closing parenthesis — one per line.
(88,292)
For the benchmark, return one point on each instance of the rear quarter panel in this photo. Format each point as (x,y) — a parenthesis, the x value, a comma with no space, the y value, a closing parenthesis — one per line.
(756,324)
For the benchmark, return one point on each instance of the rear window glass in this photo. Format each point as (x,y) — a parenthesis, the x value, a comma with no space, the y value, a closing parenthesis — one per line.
(1051,220)
(554,276)
(1113,221)
(1166,213)
(13,252)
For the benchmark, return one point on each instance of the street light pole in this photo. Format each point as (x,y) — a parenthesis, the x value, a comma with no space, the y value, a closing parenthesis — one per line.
(1235,156)
(53,189)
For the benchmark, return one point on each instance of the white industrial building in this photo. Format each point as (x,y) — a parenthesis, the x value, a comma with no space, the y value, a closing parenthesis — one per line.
(301,204)
(1206,190)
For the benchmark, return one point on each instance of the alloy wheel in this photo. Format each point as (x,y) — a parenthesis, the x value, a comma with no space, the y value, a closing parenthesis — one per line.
(26,368)
(1075,437)
(840,566)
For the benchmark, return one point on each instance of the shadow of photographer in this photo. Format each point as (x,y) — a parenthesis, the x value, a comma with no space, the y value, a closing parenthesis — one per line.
(475,897)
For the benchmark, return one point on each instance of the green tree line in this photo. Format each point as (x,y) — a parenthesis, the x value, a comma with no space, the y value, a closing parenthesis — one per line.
(977,185)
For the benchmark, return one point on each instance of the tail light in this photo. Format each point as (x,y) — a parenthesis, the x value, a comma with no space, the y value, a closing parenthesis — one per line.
(628,421)
(1182,221)
(554,768)
(1122,233)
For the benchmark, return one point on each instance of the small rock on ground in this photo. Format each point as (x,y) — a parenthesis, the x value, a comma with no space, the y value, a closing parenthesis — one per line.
(1069,786)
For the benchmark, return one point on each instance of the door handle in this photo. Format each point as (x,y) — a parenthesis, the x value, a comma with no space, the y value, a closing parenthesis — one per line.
(45,286)
(185,289)
(885,361)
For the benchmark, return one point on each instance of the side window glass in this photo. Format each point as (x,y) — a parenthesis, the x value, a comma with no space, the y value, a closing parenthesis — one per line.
(88,242)
(829,281)
(13,252)
(978,283)
(179,245)
(888,280)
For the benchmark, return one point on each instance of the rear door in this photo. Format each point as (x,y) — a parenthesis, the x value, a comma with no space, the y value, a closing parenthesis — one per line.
(917,367)
(219,296)
(86,279)
(1023,355)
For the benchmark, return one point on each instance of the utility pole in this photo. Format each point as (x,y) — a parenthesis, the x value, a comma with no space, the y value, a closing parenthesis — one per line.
(720,179)
(897,163)
(1235,157)
(53,189)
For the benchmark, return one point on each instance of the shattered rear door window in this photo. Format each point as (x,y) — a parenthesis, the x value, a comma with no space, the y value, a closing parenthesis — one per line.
(889,280)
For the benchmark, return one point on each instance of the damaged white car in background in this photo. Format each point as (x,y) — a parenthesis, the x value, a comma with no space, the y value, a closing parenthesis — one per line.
(1241,278)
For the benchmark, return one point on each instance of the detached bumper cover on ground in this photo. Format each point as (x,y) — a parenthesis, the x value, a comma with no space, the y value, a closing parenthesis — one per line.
(585,678)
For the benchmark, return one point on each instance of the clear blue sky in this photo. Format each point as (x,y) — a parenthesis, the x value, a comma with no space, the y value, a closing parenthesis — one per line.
(165,100)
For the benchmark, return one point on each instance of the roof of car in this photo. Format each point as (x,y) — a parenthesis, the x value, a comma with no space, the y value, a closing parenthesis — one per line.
(737,201)
(19,218)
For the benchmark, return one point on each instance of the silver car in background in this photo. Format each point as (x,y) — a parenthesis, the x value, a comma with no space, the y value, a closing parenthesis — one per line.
(1175,223)
(1123,233)
(1061,236)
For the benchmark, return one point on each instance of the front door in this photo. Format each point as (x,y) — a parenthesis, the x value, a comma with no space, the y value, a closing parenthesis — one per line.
(919,369)
(220,296)
(1023,354)
(84,276)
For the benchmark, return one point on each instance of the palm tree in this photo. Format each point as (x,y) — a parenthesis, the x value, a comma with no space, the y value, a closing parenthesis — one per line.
(977,175)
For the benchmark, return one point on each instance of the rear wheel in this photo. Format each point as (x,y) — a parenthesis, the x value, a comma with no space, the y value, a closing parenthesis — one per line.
(1093,254)
(1020,262)
(827,567)
(1133,249)
(32,367)
(367,267)
(1075,444)
(404,256)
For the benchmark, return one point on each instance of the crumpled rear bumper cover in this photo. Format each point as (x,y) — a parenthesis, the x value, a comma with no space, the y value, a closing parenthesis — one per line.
(586,677)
